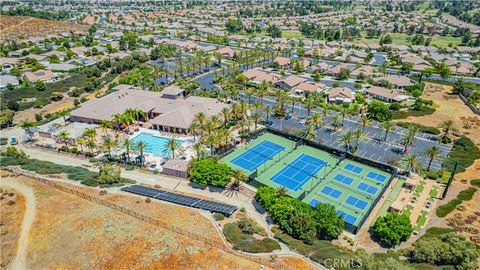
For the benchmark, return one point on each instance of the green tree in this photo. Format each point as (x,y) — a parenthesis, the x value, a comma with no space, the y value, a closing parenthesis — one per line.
(431,153)
(28,124)
(392,228)
(329,224)
(172,147)
(109,174)
(303,227)
(64,136)
(208,172)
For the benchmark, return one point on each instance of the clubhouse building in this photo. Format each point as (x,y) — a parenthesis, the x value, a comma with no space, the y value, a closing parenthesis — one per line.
(166,111)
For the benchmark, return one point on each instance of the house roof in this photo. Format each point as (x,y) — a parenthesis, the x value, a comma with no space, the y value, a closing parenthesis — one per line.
(341,92)
(384,92)
(282,61)
(173,112)
(396,80)
(293,80)
(39,75)
(310,87)
(172,90)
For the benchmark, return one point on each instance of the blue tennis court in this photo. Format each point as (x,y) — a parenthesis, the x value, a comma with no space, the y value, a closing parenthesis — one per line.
(314,202)
(355,202)
(331,192)
(297,173)
(353,168)
(367,188)
(256,156)
(343,179)
(350,219)
(377,177)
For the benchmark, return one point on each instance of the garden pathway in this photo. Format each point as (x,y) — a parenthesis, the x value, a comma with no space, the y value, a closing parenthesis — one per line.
(421,201)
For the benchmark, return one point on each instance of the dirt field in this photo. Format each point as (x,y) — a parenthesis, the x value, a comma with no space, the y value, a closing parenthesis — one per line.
(70,232)
(449,107)
(12,207)
(18,26)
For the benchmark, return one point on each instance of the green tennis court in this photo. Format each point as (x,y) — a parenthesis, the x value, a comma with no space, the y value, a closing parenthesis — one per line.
(316,176)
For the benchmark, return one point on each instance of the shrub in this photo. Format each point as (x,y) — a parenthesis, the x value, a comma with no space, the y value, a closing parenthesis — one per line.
(392,229)
(422,128)
(218,216)
(464,152)
(467,194)
(246,242)
(444,210)
(208,172)
(475,182)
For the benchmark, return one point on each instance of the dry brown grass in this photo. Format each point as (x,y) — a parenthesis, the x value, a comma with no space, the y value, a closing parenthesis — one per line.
(449,107)
(12,208)
(70,232)
(13,27)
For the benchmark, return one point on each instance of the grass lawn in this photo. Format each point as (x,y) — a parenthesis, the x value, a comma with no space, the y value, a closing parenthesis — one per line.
(444,210)
(408,210)
(402,39)
(433,193)
(421,221)
(467,194)
(292,34)
(419,188)
(475,182)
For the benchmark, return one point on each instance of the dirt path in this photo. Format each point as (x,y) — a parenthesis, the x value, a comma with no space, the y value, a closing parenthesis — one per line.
(30,209)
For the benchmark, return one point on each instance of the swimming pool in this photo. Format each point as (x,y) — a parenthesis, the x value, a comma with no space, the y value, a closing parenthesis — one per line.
(156,145)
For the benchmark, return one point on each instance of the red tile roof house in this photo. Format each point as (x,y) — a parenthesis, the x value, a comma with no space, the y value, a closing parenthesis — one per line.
(226,52)
(306,88)
(257,76)
(399,82)
(384,94)
(44,75)
(282,61)
(334,71)
(290,82)
(368,72)
(340,95)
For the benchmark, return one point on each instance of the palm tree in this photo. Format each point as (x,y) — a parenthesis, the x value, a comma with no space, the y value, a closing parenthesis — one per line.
(212,141)
(317,120)
(127,143)
(225,115)
(198,148)
(92,145)
(365,121)
(410,163)
(238,177)
(358,135)
(256,118)
(281,191)
(65,136)
(172,147)
(387,126)
(281,96)
(90,133)
(194,128)
(336,120)
(140,147)
(109,143)
(346,138)
(28,124)
(309,105)
(310,132)
(105,125)
(81,142)
(409,138)
(431,153)
(447,125)
(63,114)
(268,111)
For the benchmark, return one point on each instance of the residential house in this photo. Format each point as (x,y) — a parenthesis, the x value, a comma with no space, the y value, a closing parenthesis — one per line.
(290,82)
(340,95)
(367,71)
(306,88)
(398,82)
(282,61)
(6,80)
(44,75)
(385,94)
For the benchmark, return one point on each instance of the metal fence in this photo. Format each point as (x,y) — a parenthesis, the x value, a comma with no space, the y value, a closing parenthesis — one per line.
(211,242)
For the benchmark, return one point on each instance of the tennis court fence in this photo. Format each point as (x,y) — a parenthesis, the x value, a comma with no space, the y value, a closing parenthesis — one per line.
(224,246)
